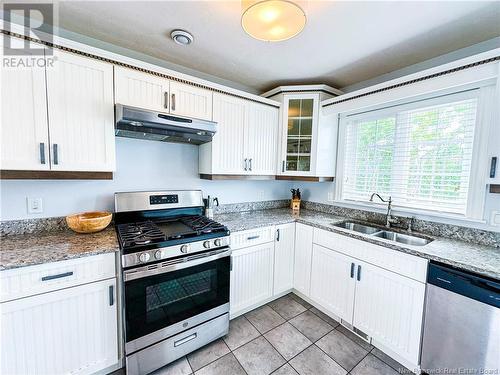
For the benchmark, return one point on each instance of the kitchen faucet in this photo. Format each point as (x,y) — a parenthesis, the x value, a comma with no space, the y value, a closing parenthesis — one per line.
(388,217)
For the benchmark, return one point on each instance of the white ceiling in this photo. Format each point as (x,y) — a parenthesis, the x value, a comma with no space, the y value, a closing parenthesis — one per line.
(344,42)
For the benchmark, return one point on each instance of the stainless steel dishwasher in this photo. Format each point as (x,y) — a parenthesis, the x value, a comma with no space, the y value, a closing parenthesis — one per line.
(462,323)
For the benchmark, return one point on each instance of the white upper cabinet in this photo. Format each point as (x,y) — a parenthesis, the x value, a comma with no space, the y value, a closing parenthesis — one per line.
(308,139)
(261,138)
(191,101)
(245,141)
(147,91)
(24,141)
(80,109)
(141,90)
(284,249)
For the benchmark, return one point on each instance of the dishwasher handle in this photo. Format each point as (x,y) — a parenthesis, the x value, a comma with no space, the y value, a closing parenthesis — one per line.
(467,284)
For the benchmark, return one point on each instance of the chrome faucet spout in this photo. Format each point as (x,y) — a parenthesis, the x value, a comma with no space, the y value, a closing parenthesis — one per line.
(388,218)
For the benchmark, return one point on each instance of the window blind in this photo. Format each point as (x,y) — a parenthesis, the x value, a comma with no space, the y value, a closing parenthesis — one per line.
(418,153)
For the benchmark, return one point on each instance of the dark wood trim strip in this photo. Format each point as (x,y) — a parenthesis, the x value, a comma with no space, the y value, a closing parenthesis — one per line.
(96,57)
(495,189)
(412,81)
(54,175)
(306,178)
(204,176)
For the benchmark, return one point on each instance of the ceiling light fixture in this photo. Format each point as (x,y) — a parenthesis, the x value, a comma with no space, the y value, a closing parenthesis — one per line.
(272,20)
(181,37)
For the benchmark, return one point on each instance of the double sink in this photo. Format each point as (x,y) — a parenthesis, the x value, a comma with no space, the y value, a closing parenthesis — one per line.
(406,239)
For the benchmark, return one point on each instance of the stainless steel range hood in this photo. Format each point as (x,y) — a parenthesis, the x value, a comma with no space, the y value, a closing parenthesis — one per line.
(156,126)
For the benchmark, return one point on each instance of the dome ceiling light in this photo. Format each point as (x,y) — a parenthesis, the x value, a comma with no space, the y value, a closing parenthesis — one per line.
(272,20)
(181,37)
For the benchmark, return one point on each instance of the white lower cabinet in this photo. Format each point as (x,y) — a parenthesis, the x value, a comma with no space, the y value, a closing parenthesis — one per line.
(389,308)
(303,257)
(251,277)
(332,283)
(284,250)
(67,331)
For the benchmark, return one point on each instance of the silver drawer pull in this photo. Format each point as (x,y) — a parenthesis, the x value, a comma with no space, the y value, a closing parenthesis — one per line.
(252,237)
(58,276)
(185,339)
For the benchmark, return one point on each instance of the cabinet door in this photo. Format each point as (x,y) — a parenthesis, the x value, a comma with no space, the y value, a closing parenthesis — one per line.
(141,90)
(190,101)
(81,119)
(24,129)
(251,277)
(332,282)
(284,250)
(261,139)
(389,308)
(227,144)
(299,127)
(72,330)
(303,258)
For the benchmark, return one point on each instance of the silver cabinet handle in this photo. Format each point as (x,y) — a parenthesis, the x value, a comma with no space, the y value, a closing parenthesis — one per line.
(111,295)
(56,154)
(42,153)
(246,165)
(250,161)
(173,102)
(493,167)
(359,273)
(283,166)
(352,270)
(185,339)
(58,276)
(252,237)
(166,99)
(277,235)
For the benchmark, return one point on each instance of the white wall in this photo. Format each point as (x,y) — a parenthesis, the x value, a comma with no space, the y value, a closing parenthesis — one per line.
(141,165)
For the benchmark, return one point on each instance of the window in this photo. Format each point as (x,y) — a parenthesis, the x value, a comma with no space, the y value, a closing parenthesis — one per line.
(418,153)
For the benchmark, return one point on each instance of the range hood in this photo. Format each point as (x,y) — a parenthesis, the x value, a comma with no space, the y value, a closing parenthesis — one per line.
(156,126)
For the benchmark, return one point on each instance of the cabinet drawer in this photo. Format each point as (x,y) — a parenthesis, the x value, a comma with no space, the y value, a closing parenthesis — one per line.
(28,281)
(392,260)
(252,237)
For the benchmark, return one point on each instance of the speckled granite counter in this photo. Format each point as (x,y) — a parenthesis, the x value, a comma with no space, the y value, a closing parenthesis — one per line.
(30,249)
(481,259)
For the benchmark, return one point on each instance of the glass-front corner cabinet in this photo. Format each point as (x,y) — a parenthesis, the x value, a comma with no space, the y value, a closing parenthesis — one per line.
(300,115)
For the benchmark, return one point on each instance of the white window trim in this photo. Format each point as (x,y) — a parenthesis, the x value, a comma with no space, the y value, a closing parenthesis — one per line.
(478,177)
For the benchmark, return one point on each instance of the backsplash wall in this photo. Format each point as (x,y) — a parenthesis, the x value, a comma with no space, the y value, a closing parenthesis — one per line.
(141,165)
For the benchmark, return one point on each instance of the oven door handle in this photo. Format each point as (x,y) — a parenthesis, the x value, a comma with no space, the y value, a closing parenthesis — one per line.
(139,273)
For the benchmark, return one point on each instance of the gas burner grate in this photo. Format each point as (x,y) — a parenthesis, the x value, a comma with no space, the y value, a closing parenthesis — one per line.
(139,234)
(202,224)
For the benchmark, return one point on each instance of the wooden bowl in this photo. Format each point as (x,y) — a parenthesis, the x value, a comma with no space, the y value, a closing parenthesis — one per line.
(89,222)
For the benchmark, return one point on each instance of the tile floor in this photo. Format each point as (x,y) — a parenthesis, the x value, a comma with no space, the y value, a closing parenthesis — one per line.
(286,337)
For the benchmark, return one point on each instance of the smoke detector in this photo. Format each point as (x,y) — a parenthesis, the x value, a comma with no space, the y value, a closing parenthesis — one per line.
(181,37)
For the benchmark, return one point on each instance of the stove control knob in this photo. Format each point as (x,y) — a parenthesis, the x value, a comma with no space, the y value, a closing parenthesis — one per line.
(158,254)
(144,257)
(218,242)
(185,248)
(206,244)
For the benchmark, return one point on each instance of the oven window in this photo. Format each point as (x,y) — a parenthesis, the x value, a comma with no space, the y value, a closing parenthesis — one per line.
(157,301)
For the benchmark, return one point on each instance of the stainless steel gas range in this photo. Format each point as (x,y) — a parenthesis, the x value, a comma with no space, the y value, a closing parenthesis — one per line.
(175,267)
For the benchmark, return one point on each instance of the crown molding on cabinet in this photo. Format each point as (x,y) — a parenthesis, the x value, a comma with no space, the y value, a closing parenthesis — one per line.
(302,88)
(116,59)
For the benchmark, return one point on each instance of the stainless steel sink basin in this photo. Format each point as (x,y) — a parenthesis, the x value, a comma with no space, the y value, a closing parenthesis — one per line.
(365,229)
(402,238)
(406,239)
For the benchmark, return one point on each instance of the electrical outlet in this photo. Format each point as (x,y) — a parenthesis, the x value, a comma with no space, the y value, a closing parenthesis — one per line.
(260,195)
(35,205)
(331,196)
(495,218)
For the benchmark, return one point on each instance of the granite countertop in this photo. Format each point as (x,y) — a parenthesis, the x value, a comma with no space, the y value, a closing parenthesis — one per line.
(31,249)
(484,260)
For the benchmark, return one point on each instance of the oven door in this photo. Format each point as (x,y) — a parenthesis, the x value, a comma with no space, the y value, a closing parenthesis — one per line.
(174,296)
